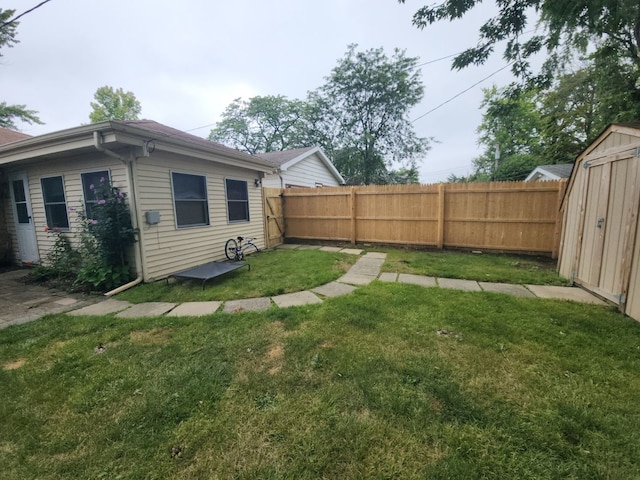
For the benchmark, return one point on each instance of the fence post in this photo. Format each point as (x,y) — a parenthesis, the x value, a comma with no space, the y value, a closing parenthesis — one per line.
(353,215)
(441,216)
(557,237)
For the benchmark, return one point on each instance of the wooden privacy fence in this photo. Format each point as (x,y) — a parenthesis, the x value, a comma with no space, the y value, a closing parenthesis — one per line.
(514,216)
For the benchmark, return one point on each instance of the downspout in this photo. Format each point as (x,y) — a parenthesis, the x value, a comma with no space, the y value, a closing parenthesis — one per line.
(128,162)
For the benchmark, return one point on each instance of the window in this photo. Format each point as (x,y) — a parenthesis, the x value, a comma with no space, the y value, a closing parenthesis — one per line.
(55,205)
(90,180)
(190,199)
(237,200)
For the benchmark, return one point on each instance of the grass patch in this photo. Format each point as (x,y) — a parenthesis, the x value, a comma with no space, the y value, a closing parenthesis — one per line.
(486,267)
(273,272)
(391,381)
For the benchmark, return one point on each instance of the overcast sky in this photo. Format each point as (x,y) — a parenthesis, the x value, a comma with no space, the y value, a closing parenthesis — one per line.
(186,61)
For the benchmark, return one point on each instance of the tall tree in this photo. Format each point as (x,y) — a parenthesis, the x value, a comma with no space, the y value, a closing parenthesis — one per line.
(568,26)
(9,114)
(510,132)
(365,103)
(262,124)
(113,104)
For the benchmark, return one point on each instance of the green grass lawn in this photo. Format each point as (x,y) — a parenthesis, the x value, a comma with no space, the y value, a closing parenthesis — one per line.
(273,272)
(391,381)
(485,267)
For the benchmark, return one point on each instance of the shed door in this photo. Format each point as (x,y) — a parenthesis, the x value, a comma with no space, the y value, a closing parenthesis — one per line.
(610,214)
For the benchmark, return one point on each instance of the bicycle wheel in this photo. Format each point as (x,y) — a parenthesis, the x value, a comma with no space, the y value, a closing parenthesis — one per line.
(252,247)
(231,249)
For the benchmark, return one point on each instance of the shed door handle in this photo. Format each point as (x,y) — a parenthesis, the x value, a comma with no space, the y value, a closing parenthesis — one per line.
(600,223)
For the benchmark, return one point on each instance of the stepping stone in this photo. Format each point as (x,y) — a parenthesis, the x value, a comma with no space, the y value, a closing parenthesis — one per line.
(351,251)
(388,277)
(334,289)
(417,280)
(65,302)
(247,305)
(516,290)
(103,308)
(330,249)
(295,299)
(375,255)
(149,309)
(355,279)
(565,293)
(457,284)
(194,309)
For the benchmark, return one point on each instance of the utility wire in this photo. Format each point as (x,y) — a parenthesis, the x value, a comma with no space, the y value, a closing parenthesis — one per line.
(15,19)
(460,93)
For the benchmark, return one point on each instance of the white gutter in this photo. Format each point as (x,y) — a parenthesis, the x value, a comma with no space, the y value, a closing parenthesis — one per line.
(128,162)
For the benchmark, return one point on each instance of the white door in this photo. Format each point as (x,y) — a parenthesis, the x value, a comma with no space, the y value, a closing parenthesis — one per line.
(25,228)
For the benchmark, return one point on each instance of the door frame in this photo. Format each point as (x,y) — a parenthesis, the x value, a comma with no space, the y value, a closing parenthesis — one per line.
(24,232)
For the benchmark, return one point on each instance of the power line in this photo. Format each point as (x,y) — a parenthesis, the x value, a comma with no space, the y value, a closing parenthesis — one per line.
(15,19)
(460,93)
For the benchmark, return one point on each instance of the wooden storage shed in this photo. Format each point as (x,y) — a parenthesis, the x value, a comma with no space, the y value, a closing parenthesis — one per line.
(601,235)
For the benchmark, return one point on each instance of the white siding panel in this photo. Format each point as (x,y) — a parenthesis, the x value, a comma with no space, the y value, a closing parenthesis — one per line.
(308,172)
(168,249)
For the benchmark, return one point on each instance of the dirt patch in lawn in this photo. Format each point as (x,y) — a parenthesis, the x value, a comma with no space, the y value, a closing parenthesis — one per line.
(155,336)
(14,364)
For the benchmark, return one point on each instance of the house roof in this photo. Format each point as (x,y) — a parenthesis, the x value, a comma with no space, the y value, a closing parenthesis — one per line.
(146,135)
(9,136)
(550,172)
(286,159)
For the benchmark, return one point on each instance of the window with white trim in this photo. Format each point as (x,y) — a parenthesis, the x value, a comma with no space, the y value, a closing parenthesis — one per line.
(55,203)
(190,199)
(237,200)
(90,181)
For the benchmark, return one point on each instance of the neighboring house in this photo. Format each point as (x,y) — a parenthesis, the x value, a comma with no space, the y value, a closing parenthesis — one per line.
(301,167)
(600,247)
(550,172)
(187,195)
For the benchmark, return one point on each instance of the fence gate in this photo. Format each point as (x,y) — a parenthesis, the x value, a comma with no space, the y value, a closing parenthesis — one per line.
(273,216)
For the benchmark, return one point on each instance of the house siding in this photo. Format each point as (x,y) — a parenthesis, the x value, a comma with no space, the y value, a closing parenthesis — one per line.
(70,169)
(305,173)
(168,249)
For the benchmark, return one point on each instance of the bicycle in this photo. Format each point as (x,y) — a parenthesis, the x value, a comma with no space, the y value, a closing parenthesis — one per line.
(234,249)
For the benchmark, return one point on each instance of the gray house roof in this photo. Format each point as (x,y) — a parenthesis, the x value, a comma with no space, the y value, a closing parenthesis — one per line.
(550,172)
(145,135)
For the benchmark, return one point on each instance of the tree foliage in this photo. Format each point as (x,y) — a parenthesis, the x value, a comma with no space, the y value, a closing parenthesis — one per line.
(262,124)
(569,26)
(113,104)
(9,114)
(359,117)
(365,104)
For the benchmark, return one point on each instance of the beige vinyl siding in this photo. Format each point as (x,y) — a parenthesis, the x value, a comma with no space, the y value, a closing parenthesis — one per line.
(168,249)
(11,225)
(70,170)
(305,173)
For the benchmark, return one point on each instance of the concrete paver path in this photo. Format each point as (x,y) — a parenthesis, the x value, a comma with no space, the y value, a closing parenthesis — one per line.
(21,303)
